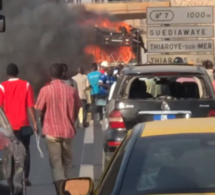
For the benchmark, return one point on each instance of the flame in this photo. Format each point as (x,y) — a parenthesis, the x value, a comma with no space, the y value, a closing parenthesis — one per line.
(107,24)
(121,54)
(112,54)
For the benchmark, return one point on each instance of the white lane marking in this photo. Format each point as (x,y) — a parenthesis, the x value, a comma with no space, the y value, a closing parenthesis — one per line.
(105,124)
(87,171)
(103,160)
(89,135)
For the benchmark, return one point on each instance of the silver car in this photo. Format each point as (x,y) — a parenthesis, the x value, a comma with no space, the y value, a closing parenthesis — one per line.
(12,155)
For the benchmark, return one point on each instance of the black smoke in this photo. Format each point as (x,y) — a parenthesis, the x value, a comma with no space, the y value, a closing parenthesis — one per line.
(41,32)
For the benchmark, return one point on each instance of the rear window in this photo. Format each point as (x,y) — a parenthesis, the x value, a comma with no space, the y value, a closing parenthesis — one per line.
(171,164)
(159,86)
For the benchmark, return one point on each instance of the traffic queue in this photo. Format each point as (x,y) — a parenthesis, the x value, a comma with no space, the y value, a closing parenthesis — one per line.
(159,137)
(58,105)
(151,144)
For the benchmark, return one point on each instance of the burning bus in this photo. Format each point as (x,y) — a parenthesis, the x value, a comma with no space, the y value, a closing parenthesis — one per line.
(116,43)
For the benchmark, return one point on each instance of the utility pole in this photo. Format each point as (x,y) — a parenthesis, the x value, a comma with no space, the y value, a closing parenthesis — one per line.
(2,19)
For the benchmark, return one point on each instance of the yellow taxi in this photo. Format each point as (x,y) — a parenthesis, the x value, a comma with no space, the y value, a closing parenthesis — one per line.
(164,157)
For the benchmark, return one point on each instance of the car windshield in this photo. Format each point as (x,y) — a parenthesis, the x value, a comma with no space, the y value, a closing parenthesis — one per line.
(169,85)
(171,164)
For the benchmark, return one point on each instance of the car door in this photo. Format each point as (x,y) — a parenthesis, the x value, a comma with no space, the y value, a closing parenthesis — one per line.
(10,148)
(108,180)
(5,156)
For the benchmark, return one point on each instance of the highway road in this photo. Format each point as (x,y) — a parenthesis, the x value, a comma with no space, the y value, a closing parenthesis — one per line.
(87,160)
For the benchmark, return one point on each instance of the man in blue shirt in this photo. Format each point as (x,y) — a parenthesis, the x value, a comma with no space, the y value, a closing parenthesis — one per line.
(93,78)
(105,82)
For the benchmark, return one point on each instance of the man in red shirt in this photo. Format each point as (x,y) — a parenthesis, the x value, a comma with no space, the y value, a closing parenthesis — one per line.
(17,100)
(59,103)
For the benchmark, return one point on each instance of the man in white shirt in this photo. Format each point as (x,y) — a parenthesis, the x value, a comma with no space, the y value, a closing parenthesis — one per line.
(82,85)
(68,81)
(209,68)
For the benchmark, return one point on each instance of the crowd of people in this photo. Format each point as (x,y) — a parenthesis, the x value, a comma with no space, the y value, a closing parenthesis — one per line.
(207,64)
(100,81)
(58,105)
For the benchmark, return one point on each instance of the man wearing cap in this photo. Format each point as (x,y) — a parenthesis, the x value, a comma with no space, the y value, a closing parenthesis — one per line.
(106,81)
(104,65)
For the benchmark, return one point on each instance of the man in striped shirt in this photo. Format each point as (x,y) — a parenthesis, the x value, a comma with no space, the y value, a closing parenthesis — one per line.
(60,104)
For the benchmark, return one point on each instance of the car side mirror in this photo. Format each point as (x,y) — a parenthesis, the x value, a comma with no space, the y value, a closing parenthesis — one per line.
(77,186)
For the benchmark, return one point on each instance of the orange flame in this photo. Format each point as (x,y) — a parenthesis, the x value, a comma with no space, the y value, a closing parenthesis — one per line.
(121,54)
(112,54)
(106,23)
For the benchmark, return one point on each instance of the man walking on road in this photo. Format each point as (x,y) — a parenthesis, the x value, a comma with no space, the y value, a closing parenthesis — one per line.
(93,78)
(68,81)
(17,100)
(106,81)
(60,104)
(83,85)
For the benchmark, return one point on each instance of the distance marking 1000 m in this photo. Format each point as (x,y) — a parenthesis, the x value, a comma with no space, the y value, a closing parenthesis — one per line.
(180,15)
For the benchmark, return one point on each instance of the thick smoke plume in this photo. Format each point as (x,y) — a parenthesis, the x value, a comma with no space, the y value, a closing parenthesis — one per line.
(40,32)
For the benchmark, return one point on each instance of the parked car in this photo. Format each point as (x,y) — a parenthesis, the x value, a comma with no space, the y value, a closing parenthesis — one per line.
(12,155)
(161,157)
(156,92)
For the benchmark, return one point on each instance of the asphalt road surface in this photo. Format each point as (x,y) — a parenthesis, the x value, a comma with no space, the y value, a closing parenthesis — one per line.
(87,160)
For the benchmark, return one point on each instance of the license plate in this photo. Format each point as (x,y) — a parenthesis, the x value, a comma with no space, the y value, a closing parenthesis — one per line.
(160,117)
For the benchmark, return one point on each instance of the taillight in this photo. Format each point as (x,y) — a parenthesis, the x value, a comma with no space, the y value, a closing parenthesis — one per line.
(116,120)
(113,143)
(211,113)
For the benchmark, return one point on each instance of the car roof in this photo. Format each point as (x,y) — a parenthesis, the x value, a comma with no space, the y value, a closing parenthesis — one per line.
(179,126)
(158,68)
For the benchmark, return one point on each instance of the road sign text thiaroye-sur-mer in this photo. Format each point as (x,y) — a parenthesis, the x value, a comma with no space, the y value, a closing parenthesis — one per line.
(180,15)
(180,46)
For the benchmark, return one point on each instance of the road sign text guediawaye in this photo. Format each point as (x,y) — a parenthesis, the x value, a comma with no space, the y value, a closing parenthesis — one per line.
(180,32)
